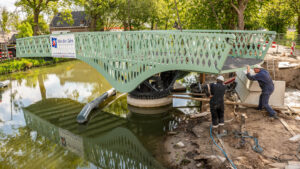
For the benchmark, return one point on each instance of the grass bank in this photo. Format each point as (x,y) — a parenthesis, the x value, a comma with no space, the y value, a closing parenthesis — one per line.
(20,64)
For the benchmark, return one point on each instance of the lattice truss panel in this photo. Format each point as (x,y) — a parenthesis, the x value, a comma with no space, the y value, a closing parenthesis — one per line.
(108,147)
(126,59)
(247,44)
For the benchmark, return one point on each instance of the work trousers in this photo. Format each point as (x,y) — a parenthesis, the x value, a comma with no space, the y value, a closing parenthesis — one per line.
(217,113)
(264,103)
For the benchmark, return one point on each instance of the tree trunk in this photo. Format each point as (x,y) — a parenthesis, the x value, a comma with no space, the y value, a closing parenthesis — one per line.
(166,25)
(241,23)
(298,24)
(125,25)
(242,4)
(36,22)
(152,24)
(93,23)
(129,17)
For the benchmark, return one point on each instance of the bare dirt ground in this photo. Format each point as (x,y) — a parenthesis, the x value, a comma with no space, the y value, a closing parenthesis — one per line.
(199,151)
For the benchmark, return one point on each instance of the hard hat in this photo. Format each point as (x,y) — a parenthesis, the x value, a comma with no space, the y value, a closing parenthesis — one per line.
(220,78)
(258,66)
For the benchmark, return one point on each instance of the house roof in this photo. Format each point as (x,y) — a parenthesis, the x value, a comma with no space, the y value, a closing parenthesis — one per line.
(7,37)
(79,18)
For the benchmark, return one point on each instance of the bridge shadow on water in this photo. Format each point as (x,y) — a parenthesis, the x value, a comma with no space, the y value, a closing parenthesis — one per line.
(107,140)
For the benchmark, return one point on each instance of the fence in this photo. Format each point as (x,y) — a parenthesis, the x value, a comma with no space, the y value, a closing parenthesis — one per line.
(287,40)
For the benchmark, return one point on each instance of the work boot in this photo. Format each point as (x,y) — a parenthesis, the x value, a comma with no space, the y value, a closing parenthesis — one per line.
(215,129)
(274,116)
(222,131)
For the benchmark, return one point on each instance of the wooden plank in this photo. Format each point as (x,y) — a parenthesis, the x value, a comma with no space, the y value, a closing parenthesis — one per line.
(193,116)
(226,102)
(292,110)
(190,94)
(284,123)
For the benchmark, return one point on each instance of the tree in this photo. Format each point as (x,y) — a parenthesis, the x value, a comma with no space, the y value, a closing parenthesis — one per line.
(134,14)
(4,22)
(209,14)
(277,16)
(98,11)
(15,19)
(240,9)
(43,25)
(295,6)
(25,30)
(35,7)
(66,16)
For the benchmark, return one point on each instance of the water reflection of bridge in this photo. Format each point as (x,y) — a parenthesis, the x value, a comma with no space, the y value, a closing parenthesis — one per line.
(105,140)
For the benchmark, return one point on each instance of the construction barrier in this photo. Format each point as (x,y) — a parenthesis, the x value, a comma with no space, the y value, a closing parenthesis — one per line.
(273,44)
(3,55)
(293,48)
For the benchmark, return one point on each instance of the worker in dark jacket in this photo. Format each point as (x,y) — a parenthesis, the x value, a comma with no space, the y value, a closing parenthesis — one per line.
(266,84)
(216,92)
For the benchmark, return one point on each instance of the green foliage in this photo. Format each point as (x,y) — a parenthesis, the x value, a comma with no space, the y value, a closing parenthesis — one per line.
(4,22)
(98,11)
(43,25)
(9,66)
(277,16)
(205,14)
(295,7)
(161,14)
(66,16)
(25,30)
(36,8)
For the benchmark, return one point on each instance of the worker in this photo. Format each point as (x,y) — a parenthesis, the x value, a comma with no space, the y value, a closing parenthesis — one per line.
(216,92)
(266,84)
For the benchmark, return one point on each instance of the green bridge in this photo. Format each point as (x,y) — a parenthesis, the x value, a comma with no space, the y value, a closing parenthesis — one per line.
(126,59)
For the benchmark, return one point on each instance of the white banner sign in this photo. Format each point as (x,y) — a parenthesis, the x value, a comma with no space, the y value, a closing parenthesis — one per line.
(63,46)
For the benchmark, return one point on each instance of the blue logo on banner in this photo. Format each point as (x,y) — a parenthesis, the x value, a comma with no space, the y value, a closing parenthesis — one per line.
(54,42)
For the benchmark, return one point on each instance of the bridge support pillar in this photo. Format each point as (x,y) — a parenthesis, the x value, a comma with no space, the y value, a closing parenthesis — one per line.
(149,102)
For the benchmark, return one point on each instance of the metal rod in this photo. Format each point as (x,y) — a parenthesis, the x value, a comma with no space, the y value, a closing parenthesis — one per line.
(226,102)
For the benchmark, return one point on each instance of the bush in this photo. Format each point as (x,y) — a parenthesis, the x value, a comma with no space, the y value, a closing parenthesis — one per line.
(14,65)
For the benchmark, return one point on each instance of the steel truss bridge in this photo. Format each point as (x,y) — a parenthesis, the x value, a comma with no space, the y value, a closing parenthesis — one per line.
(126,59)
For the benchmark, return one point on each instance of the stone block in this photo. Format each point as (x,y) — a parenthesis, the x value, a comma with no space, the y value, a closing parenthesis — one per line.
(249,91)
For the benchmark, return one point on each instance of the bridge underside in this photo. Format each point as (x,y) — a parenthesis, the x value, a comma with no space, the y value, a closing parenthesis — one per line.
(233,64)
(126,59)
(103,141)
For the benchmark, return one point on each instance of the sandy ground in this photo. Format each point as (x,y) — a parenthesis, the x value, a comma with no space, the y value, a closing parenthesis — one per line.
(198,145)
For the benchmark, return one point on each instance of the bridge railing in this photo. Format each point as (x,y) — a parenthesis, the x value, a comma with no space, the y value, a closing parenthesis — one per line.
(247,44)
(126,59)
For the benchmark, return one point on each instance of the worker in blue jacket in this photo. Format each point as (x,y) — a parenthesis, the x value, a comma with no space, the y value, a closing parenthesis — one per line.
(266,84)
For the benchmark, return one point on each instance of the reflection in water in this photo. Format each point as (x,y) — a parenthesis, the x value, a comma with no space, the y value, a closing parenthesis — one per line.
(75,80)
(30,150)
(56,94)
(103,141)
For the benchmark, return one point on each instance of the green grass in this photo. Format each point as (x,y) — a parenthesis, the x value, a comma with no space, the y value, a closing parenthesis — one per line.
(14,65)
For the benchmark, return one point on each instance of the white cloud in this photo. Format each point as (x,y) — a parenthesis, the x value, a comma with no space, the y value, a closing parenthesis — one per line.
(9,4)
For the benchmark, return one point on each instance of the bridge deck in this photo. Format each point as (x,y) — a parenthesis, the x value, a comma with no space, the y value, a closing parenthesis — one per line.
(232,63)
(126,59)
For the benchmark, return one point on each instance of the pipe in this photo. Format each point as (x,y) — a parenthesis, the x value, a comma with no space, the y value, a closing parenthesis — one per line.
(86,110)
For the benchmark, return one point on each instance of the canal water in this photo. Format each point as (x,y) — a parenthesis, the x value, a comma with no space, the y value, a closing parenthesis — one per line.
(38,126)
